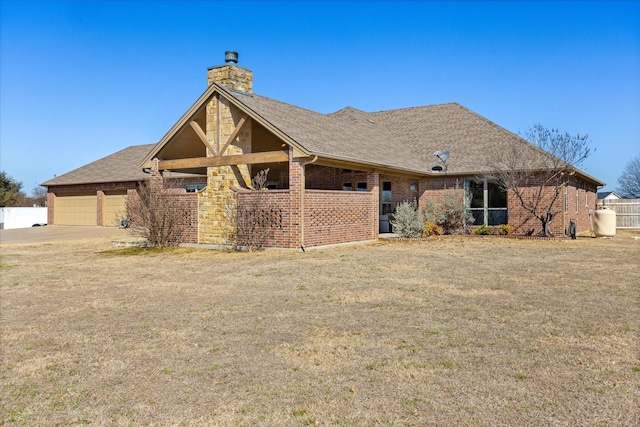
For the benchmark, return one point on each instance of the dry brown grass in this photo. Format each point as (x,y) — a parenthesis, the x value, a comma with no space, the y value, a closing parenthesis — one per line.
(457,331)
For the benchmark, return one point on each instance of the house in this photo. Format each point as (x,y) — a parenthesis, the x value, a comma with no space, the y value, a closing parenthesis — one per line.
(332,178)
(608,195)
(95,194)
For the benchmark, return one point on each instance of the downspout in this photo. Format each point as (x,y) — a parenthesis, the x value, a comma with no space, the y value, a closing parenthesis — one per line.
(198,192)
(565,202)
(304,172)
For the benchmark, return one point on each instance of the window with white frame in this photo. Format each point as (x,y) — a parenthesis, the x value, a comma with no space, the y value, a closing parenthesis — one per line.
(486,201)
(577,200)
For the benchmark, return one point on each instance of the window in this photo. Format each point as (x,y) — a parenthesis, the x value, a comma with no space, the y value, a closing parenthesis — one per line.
(362,186)
(194,188)
(385,199)
(346,186)
(577,200)
(487,202)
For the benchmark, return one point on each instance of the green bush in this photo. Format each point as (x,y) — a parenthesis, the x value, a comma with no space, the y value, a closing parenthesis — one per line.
(407,221)
(483,230)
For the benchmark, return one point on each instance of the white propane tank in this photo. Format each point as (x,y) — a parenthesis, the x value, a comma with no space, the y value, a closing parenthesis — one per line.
(604,222)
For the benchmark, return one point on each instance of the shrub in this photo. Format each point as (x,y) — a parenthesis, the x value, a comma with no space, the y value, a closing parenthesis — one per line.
(451,215)
(155,213)
(455,215)
(406,220)
(483,230)
(432,213)
(431,229)
(504,229)
(250,223)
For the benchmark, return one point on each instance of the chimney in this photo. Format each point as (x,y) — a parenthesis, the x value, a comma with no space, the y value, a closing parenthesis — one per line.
(230,75)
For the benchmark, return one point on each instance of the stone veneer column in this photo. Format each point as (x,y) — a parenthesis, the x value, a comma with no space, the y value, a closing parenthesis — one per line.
(217,203)
(373,185)
(231,76)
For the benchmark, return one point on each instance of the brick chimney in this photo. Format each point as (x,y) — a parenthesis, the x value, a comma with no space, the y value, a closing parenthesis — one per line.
(230,75)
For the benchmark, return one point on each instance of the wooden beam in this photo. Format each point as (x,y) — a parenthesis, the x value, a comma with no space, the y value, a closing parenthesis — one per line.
(233,136)
(240,159)
(218,125)
(203,136)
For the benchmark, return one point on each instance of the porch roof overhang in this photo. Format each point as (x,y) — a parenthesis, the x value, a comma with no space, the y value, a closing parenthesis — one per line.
(199,106)
(299,151)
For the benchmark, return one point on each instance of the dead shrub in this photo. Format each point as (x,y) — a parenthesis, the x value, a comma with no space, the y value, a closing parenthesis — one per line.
(156,214)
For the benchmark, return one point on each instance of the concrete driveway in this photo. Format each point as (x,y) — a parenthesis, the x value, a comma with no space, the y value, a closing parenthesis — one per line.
(55,233)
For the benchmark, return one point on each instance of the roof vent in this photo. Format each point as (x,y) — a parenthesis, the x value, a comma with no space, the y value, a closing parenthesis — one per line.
(231,57)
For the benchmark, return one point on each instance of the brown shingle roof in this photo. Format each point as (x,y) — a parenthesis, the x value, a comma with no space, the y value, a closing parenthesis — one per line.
(118,167)
(403,139)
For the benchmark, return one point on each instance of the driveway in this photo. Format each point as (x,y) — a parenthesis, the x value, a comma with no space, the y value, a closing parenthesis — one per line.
(54,233)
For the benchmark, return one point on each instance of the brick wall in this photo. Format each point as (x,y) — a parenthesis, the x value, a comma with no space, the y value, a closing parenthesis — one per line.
(332,217)
(188,214)
(324,178)
(580,208)
(436,189)
(272,205)
(566,205)
(182,206)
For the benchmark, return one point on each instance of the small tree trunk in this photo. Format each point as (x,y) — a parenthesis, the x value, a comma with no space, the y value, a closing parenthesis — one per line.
(546,225)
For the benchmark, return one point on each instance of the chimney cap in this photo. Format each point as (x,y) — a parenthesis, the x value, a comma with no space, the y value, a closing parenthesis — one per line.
(231,57)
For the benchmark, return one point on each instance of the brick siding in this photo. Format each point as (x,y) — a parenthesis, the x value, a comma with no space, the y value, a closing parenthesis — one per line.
(330,217)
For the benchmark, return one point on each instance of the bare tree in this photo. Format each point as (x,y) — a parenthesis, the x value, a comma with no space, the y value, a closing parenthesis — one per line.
(629,181)
(39,196)
(259,182)
(537,175)
(156,213)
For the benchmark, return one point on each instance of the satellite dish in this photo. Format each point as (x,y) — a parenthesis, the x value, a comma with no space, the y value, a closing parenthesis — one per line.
(437,168)
(441,156)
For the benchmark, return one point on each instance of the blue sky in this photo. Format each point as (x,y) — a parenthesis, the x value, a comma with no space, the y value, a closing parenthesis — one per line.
(80,80)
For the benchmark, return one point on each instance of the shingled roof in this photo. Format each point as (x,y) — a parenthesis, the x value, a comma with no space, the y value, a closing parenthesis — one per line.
(118,167)
(402,139)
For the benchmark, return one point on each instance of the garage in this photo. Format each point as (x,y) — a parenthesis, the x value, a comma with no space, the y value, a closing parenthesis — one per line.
(76,209)
(114,207)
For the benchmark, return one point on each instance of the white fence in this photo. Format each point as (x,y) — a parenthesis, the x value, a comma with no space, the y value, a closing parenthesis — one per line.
(627,212)
(22,217)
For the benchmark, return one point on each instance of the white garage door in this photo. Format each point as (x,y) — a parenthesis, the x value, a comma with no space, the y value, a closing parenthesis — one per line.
(114,208)
(76,209)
